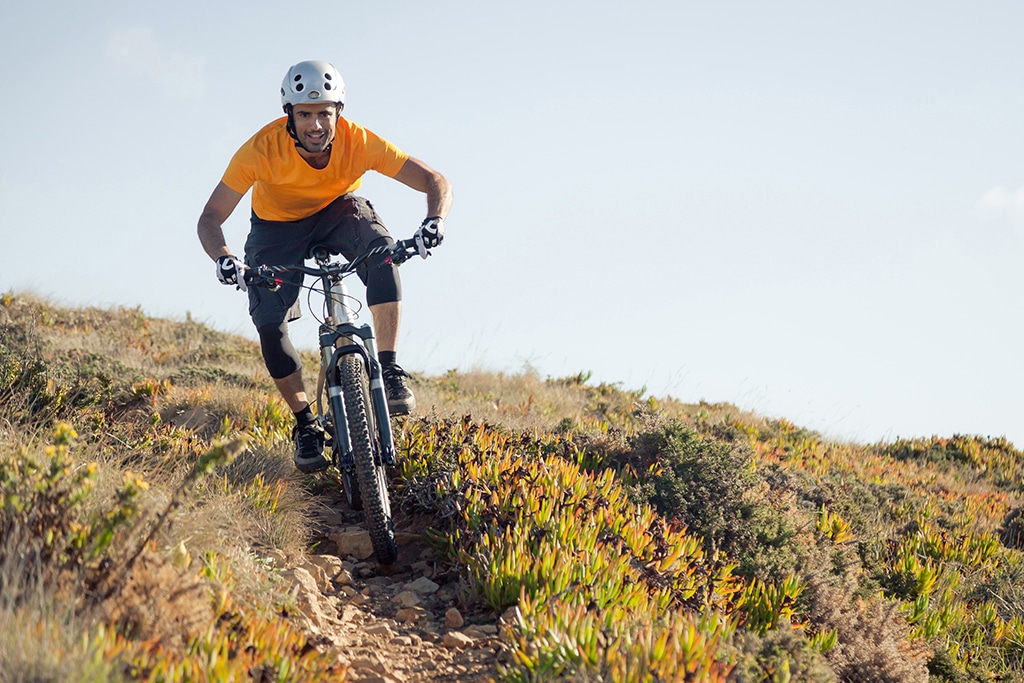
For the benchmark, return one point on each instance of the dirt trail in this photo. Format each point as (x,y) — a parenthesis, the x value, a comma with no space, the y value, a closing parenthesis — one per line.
(389,624)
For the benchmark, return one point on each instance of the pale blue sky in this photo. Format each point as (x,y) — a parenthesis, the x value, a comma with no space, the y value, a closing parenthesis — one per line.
(812,210)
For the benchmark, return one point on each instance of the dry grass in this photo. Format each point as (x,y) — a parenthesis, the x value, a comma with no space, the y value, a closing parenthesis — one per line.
(153,397)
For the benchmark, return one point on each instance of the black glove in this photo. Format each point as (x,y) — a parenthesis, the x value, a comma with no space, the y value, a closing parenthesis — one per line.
(231,271)
(430,234)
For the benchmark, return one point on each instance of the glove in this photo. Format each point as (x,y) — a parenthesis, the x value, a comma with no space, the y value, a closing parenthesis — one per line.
(430,234)
(231,271)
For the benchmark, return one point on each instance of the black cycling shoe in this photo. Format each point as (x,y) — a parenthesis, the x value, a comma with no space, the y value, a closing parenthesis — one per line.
(309,448)
(400,398)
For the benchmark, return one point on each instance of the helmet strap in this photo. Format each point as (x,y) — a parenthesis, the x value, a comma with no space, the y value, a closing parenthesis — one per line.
(290,126)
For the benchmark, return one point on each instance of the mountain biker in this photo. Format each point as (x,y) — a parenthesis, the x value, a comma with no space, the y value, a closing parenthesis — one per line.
(303,169)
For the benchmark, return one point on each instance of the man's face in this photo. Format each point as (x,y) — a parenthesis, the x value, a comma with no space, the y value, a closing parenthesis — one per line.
(315,125)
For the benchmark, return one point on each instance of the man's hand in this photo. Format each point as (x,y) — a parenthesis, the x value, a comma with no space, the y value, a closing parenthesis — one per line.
(429,235)
(231,271)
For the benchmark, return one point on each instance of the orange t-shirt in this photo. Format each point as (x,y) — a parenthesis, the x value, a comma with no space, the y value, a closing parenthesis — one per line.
(286,188)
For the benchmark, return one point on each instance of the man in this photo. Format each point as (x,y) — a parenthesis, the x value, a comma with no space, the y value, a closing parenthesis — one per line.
(303,169)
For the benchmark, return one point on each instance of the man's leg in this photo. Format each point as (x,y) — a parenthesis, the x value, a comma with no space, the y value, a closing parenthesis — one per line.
(293,391)
(386,319)
(286,370)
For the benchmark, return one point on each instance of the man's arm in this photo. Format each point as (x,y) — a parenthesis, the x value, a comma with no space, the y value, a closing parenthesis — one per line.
(419,176)
(220,205)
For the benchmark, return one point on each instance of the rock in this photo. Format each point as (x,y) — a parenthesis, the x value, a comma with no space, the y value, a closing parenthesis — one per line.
(511,615)
(378,629)
(277,558)
(402,641)
(343,578)
(323,581)
(310,601)
(423,586)
(411,614)
(354,543)
(481,631)
(351,612)
(456,640)
(406,599)
(453,618)
(372,663)
(331,565)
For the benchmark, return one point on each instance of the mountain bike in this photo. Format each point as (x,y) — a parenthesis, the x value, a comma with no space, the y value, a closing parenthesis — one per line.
(350,401)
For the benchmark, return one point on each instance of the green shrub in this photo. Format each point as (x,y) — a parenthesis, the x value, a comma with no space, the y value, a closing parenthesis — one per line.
(706,485)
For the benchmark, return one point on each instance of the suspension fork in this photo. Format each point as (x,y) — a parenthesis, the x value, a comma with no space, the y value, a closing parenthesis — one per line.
(338,337)
(378,399)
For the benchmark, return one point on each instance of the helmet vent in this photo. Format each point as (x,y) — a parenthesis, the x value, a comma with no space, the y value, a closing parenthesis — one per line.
(298,87)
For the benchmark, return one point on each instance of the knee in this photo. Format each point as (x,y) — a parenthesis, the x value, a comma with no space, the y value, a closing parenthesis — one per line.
(279,354)
(383,284)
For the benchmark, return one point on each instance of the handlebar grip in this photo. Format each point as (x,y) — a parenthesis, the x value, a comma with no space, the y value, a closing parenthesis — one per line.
(260,277)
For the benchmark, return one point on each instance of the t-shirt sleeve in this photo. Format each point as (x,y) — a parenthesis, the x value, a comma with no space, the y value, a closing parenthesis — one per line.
(241,171)
(384,156)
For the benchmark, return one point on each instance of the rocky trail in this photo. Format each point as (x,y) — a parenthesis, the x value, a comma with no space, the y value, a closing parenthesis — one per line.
(389,624)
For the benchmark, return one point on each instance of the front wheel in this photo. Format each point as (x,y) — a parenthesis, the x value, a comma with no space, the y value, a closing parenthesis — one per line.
(371,474)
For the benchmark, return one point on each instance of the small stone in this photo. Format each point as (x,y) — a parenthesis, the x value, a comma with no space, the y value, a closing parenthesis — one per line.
(378,629)
(411,614)
(453,618)
(343,578)
(423,586)
(482,630)
(329,563)
(510,615)
(277,558)
(404,641)
(354,543)
(373,664)
(407,599)
(456,640)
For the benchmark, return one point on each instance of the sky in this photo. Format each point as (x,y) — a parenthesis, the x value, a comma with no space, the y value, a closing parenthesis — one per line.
(810,210)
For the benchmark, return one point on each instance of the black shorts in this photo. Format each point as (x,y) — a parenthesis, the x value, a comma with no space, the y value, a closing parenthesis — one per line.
(348,225)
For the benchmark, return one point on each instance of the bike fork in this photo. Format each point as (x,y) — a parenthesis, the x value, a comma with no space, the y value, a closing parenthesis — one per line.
(380,402)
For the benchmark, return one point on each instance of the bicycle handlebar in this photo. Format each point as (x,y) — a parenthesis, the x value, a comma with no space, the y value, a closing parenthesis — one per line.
(397,253)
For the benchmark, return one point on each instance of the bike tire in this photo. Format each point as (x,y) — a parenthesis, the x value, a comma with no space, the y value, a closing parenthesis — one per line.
(371,472)
(349,483)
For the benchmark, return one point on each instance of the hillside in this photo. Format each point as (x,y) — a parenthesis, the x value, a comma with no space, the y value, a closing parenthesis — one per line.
(154,529)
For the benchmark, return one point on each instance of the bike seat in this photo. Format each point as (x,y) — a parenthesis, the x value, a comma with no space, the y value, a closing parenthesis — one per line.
(321,252)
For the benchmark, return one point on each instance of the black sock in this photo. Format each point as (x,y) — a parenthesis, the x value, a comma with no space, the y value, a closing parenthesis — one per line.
(305,416)
(387,358)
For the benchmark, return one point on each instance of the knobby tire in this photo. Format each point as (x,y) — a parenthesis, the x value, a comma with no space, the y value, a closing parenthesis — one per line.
(371,474)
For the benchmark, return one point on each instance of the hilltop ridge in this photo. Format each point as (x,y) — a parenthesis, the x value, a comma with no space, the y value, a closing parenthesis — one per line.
(154,529)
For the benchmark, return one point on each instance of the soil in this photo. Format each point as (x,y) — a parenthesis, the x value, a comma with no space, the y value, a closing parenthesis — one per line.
(389,624)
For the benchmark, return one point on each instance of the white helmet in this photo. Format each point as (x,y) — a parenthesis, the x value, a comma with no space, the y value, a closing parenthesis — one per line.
(311,83)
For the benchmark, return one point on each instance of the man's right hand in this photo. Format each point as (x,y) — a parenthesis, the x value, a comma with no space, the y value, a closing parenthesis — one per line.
(231,271)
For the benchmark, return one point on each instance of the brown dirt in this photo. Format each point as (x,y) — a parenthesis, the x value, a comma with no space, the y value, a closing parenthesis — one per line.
(403,622)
